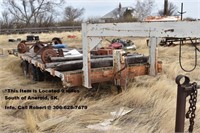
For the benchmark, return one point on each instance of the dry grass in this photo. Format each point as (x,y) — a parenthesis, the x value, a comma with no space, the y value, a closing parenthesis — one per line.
(152,98)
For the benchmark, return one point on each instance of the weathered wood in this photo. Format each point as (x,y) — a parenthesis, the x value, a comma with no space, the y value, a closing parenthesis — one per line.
(96,63)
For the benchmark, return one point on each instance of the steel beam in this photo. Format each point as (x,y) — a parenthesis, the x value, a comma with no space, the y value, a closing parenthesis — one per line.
(180,29)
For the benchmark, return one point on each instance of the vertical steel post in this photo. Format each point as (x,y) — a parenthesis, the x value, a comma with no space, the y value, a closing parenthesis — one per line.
(153,55)
(166,8)
(181,11)
(181,103)
(86,58)
(180,109)
(117,65)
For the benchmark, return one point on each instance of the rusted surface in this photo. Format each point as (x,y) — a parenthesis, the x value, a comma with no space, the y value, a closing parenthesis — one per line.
(125,76)
(98,75)
(37,47)
(104,74)
(25,46)
(162,18)
(95,63)
(22,47)
(185,89)
(104,51)
(60,53)
(159,66)
(46,53)
(181,104)
(29,58)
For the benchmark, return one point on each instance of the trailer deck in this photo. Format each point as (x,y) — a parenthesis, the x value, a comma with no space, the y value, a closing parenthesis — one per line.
(98,75)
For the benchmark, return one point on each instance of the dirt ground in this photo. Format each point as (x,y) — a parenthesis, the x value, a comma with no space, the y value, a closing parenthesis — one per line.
(152,100)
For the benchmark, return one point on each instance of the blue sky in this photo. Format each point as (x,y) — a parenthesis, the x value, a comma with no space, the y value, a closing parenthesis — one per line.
(101,7)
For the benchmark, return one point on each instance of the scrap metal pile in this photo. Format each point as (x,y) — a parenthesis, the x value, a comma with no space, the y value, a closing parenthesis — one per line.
(55,54)
(173,41)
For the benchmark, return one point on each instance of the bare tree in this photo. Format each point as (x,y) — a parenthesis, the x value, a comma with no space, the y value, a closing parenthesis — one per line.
(144,8)
(94,19)
(30,11)
(72,14)
(45,21)
(5,20)
(171,11)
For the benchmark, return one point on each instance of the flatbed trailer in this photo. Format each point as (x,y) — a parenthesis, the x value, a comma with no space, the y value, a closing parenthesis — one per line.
(98,75)
(120,71)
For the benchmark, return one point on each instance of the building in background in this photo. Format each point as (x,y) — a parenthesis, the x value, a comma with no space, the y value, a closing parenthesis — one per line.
(118,13)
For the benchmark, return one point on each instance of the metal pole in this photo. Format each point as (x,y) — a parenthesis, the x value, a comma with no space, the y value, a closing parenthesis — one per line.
(166,8)
(181,11)
(180,109)
(181,103)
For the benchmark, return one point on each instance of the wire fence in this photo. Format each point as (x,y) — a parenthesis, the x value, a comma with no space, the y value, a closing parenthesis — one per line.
(40,30)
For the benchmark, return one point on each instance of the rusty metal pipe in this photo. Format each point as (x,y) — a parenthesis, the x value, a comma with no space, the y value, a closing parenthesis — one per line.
(180,109)
(181,103)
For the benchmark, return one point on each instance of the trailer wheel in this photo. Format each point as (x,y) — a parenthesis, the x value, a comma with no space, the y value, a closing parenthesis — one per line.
(56,40)
(32,72)
(24,66)
(39,74)
(22,47)
(47,53)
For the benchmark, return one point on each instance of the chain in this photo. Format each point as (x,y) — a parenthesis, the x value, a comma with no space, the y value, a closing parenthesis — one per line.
(192,108)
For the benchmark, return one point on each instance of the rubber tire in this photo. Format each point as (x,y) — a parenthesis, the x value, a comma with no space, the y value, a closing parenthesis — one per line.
(25,70)
(32,72)
(56,40)
(39,74)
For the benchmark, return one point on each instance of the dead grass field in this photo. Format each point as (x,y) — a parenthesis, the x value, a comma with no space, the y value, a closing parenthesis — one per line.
(153,99)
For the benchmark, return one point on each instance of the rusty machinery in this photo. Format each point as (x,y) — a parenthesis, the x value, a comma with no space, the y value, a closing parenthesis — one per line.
(23,47)
(45,49)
